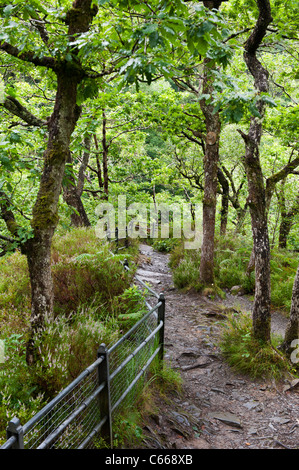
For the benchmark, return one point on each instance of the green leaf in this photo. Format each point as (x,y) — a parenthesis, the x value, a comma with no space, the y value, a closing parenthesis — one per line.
(8,10)
(11,91)
(6,163)
(202,46)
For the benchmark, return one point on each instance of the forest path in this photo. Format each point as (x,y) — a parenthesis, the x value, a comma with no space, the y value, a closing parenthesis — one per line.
(218,408)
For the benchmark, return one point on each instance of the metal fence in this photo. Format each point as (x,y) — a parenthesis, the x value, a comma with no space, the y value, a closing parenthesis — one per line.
(81,415)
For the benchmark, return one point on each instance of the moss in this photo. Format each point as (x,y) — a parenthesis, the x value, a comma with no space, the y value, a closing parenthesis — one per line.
(12,226)
(43,215)
(45,210)
(261,329)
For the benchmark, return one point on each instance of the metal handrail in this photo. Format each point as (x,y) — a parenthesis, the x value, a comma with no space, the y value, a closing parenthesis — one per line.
(133,354)
(29,425)
(134,327)
(51,438)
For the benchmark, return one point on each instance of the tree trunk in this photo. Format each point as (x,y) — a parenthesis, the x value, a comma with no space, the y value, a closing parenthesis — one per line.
(287,218)
(224,201)
(99,170)
(84,163)
(38,253)
(211,160)
(261,314)
(73,199)
(45,211)
(292,330)
(105,158)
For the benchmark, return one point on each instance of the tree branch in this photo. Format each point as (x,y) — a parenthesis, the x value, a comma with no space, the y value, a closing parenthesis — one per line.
(28,56)
(278,176)
(15,107)
(7,239)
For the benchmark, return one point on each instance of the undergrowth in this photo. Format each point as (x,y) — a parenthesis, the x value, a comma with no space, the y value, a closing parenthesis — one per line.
(248,355)
(232,255)
(92,292)
(163,382)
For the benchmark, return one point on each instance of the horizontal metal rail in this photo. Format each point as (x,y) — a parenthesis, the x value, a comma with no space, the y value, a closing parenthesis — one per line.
(145,285)
(137,324)
(29,425)
(134,353)
(51,438)
(9,443)
(93,433)
(142,371)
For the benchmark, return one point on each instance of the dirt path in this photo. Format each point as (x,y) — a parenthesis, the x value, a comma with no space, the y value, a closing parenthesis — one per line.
(218,409)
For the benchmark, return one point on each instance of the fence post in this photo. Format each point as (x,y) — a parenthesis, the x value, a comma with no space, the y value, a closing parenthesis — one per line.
(15,429)
(116,237)
(104,398)
(127,238)
(161,317)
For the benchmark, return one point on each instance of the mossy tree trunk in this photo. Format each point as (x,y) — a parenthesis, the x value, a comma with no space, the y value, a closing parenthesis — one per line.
(257,195)
(287,218)
(105,146)
(45,211)
(72,196)
(211,161)
(224,201)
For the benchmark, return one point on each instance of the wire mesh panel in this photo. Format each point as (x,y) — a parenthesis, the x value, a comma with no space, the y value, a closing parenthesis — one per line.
(70,420)
(128,359)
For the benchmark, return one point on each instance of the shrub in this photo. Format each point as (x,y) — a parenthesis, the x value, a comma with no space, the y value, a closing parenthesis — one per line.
(248,355)
(18,393)
(87,277)
(68,345)
(14,282)
(283,270)
(129,307)
(165,245)
(186,275)
(231,260)
(74,243)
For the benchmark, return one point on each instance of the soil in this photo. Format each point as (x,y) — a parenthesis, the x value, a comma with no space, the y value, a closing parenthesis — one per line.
(217,407)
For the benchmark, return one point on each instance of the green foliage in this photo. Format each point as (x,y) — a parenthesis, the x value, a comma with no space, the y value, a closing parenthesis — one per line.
(14,292)
(85,278)
(129,307)
(67,346)
(186,275)
(165,245)
(248,355)
(283,270)
(18,392)
(231,261)
(166,379)
(232,255)
(127,430)
(91,290)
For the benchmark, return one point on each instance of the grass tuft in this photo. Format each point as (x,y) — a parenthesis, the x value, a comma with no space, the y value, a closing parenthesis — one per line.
(248,355)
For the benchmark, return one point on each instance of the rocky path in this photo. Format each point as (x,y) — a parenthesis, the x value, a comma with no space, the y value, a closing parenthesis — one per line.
(218,408)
